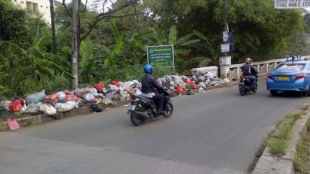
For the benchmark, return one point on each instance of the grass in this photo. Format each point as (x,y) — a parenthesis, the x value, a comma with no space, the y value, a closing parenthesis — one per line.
(277,142)
(302,157)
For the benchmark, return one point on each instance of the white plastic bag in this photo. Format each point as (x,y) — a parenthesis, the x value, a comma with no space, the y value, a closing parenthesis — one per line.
(106,101)
(64,107)
(89,96)
(61,95)
(47,109)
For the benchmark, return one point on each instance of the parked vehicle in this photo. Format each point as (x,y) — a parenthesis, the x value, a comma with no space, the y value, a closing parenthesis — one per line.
(245,85)
(290,75)
(142,108)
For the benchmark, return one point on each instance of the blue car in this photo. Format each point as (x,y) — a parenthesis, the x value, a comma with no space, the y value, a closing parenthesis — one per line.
(290,75)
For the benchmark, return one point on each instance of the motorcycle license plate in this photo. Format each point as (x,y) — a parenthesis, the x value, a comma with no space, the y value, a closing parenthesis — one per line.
(131,107)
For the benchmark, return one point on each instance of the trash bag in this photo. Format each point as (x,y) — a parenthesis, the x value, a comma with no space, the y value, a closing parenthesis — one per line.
(5,104)
(61,95)
(188,81)
(53,97)
(115,82)
(179,88)
(36,97)
(71,97)
(210,75)
(189,92)
(32,108)
(95,108)
(90,98)
(47,109)
(194,86)
(64,107)
(99,86)
(106,101)
(15,106)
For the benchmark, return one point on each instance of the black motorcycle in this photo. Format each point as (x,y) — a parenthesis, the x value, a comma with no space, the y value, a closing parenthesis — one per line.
(245,85)
(142,108)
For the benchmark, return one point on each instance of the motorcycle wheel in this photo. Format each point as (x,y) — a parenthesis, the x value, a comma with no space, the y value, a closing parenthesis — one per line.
(242,93)
(135,119)
(169,110)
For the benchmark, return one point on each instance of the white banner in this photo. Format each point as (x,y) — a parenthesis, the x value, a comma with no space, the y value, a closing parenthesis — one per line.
(286,4)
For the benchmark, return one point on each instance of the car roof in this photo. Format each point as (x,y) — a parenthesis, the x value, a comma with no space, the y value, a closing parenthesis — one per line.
(290,61)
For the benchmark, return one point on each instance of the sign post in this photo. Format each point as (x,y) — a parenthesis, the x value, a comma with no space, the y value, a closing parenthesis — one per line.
(163,55)
(287,4)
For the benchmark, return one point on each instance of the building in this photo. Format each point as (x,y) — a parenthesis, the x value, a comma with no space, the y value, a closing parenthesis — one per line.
(42,6)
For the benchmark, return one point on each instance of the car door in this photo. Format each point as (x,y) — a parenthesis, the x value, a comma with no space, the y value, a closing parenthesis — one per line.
(308,75)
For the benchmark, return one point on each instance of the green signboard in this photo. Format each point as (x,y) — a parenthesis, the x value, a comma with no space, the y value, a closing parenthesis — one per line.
(162,55)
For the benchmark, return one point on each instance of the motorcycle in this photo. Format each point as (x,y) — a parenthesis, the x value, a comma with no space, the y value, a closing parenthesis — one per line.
(245,85)
(142,108)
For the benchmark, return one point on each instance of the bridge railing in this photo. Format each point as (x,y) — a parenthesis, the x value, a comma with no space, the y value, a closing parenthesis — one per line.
(261,67)
(235,69)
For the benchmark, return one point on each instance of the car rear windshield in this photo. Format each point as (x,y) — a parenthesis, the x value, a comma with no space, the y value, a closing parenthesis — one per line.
(291,67)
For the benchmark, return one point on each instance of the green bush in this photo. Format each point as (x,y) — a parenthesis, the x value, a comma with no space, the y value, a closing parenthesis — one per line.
(29,86)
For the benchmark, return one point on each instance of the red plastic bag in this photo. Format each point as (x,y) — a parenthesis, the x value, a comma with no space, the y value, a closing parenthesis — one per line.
(12,123)
(93,100)
(15,106)
(179,88)
(71,97)
(194,86)
(115,82)
(99,86)
(52,97)
(188,81)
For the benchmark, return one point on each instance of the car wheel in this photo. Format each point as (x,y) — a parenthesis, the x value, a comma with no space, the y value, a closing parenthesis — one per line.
(307,94)
(273,92)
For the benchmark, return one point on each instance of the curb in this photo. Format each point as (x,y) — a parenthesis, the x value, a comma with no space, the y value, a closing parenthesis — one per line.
(39,119)
(269,164)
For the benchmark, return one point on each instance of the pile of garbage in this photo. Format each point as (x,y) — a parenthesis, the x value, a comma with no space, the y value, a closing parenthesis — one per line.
(106,94)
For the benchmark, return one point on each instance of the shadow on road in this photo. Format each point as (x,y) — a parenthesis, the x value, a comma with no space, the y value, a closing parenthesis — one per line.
(288,95)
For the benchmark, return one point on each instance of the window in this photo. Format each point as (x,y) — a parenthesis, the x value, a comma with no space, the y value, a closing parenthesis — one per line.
(291,67)
(35,7)
(32,6)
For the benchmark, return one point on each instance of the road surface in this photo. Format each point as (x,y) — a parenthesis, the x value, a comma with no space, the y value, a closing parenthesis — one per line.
(217,132)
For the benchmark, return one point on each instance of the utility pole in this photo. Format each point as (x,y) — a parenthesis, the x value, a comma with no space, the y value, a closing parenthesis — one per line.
(53,26)
(74,49)
(225,59)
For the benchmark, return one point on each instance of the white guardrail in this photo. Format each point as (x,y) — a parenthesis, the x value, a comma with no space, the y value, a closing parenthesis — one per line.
(235,71)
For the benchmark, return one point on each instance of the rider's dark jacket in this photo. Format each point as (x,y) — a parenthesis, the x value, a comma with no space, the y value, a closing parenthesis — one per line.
(148,84)
(248,70)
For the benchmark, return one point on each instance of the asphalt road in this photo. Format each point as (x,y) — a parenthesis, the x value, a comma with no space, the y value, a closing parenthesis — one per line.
(217,132)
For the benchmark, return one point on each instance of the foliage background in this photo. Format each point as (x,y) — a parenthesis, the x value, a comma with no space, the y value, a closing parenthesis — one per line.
(112,43)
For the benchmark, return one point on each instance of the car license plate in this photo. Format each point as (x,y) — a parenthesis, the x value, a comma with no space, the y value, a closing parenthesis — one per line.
(284,78)
(131,107)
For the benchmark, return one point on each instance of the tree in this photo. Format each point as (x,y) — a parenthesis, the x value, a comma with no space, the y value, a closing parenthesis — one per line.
(260,31)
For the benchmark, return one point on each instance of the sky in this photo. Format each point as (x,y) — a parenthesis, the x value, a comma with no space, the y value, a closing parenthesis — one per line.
(92,5)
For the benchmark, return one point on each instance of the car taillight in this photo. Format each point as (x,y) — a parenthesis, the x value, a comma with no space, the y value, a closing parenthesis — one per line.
(269,76)
(300,75)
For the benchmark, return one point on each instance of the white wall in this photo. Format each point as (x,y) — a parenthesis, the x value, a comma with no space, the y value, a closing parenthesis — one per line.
(43,6)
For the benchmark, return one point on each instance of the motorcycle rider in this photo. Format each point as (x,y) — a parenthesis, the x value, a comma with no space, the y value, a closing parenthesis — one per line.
(250,71)
(148,85)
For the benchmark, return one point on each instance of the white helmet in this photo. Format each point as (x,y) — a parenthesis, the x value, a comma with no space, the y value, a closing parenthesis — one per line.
(248,60)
